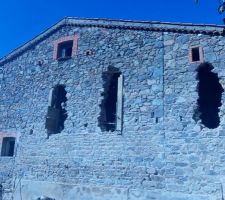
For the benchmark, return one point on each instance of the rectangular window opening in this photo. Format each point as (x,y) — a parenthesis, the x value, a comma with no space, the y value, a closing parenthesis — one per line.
(195,54)
(110,118)
(1,192)
(64,50)
(8,145)
(111,103)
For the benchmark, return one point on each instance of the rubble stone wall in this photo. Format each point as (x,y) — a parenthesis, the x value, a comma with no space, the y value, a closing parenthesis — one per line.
(161,153)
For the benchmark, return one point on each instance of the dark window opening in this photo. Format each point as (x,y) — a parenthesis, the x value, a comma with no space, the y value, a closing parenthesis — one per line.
(8,144)
(1,192)
(195,54)
(152,114)
(65,50)
(108,114)
(57,113)
(44,198)
(210,93)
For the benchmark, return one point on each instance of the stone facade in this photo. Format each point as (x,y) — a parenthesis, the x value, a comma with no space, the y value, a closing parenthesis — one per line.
(161,152)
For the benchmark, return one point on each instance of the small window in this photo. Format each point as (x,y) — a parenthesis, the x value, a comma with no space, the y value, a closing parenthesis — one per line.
(44,198)
(65,50)
(65,47)
(196,54)
(8,145)
(1,192)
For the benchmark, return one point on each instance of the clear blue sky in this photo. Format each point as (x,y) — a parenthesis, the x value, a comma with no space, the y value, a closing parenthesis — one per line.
(21,20)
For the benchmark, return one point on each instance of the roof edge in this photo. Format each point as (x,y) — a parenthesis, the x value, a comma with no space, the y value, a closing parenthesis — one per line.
(32,41)
(210,29)
(144,22)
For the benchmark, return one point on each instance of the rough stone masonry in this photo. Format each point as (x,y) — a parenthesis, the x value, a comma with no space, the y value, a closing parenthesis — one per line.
(97,109)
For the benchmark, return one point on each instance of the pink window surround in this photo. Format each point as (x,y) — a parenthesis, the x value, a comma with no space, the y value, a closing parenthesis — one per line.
(4,134)
(190,56)
(56,43)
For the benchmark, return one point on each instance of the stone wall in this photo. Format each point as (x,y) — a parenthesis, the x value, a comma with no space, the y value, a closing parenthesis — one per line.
(161,153)
(194,153)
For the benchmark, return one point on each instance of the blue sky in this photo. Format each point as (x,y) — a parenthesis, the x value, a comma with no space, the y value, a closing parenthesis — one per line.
(21,20)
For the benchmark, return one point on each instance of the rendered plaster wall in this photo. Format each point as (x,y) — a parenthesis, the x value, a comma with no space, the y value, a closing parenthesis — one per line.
(162,153)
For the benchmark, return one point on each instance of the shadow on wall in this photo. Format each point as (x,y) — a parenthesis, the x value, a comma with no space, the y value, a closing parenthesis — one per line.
(210,93)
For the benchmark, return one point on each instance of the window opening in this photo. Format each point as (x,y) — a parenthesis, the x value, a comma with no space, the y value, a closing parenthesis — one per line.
(44,198)
(195,54)
(181,118)
(65,50)
(152,114)
(210,93)
(1,192)
(8,144)
(57,113)
(111,107)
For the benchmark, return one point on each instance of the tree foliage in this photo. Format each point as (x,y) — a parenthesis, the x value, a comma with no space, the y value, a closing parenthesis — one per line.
(221,7)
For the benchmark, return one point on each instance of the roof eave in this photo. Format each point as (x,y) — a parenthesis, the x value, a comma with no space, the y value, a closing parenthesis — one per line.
(122,24)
